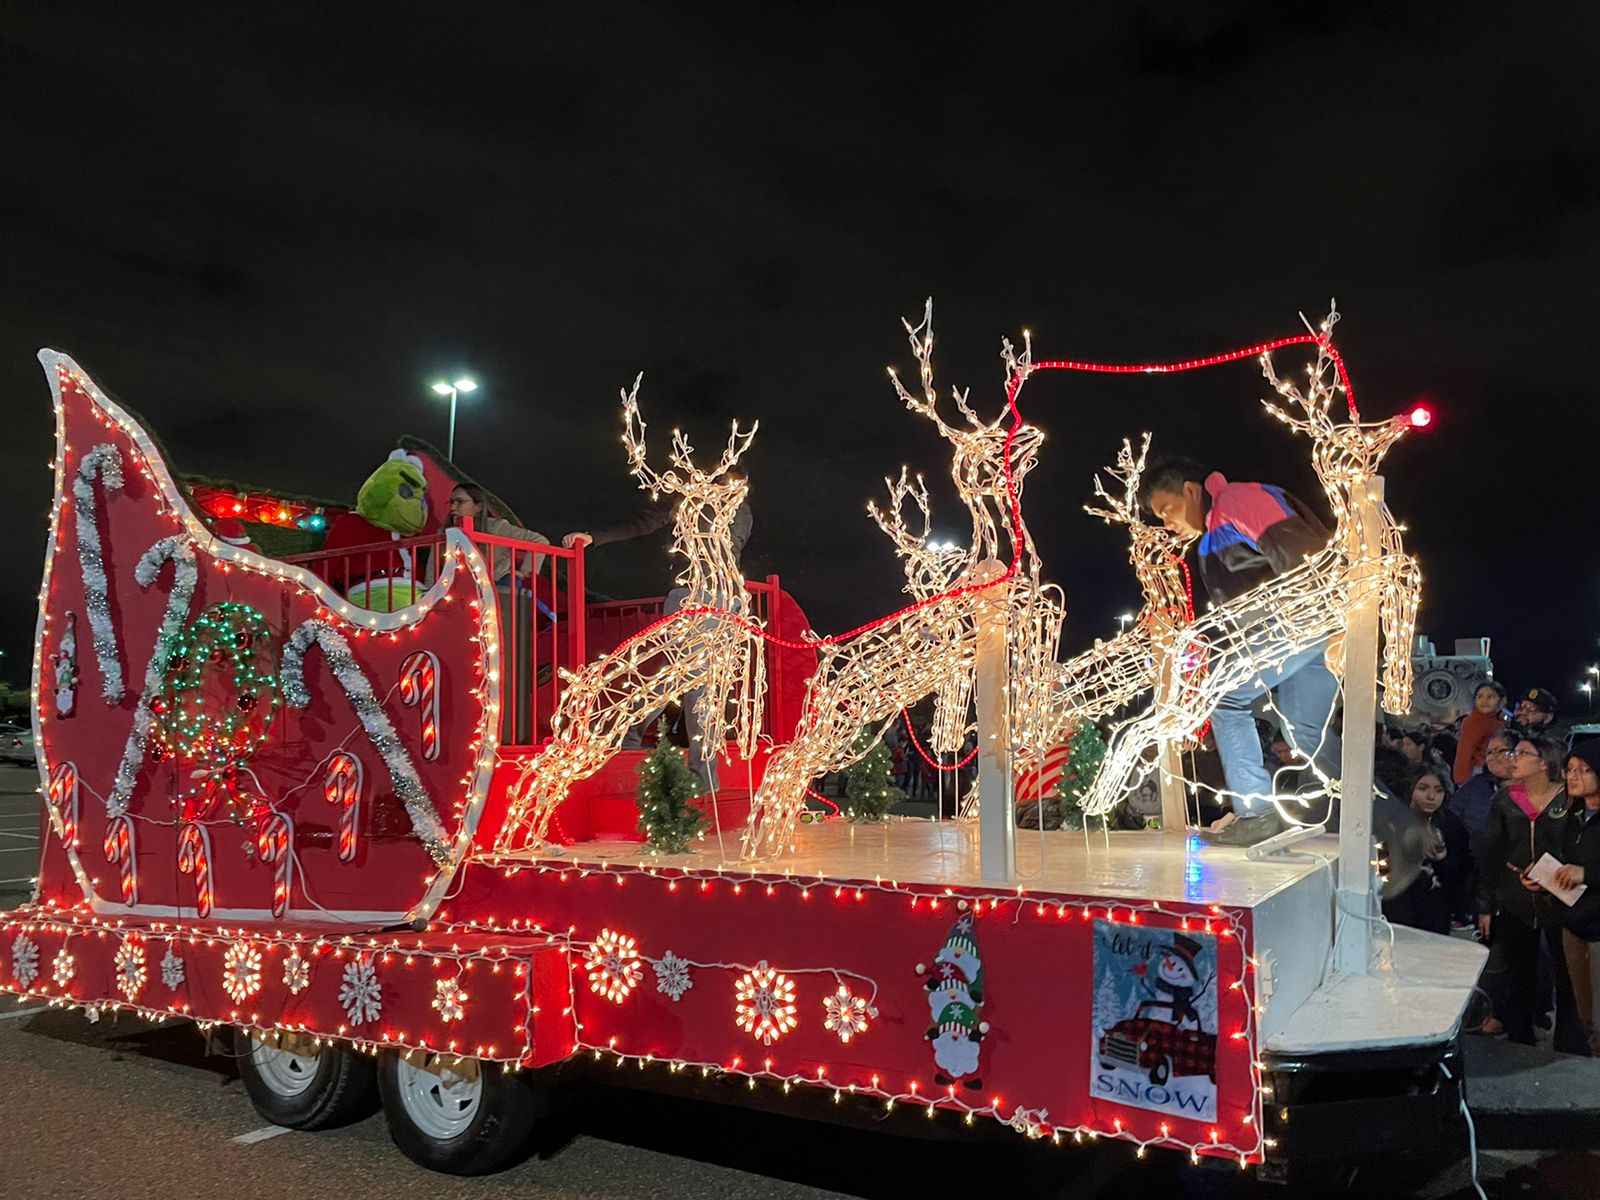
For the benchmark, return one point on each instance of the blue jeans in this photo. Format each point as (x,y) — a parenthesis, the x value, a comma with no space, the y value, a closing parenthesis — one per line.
(1306,692)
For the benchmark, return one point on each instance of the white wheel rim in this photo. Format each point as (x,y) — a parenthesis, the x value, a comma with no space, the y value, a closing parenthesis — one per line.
(286,1062)
(440,1096)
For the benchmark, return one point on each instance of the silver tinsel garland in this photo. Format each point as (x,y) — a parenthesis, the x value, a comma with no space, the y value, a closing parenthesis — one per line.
(185,575)
(106,460)
(358,690)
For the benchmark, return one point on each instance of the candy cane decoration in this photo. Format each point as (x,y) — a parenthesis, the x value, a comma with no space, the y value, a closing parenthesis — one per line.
(185,576)
(106,460)
(62,793)
(358,690)
(119,850)
(419,688)
(274,846)
(342,786)
(194,858)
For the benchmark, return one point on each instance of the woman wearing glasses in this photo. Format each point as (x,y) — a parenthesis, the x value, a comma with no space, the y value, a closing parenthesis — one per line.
(1473,799)
(1526,821)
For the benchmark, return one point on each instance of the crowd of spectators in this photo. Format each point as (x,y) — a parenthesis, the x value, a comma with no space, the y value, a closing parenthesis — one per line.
(1488,799)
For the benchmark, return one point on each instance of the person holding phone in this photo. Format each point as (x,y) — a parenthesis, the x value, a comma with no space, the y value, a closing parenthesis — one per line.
(1515,915)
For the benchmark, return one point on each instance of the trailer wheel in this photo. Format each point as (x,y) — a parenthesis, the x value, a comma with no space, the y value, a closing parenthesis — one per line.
(459,1116)
(295,1083)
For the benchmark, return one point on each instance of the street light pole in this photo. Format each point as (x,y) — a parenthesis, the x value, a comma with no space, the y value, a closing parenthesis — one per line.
(465,384)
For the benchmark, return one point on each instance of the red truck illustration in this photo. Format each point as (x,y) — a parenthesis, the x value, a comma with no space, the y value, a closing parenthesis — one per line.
(1156,1045)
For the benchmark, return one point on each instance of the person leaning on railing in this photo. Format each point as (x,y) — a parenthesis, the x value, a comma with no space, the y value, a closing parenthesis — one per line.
(468,501)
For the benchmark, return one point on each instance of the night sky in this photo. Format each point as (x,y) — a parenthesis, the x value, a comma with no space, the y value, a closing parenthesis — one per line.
(268,234)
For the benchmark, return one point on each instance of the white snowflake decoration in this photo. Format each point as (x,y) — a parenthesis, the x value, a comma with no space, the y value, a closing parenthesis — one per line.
(451,1000)
(25,959)
(173,971)
(361,993)
(296,973)
(612,961)
(130,968)
(765,1003)
(672,976)
(846,1015)
(63,967)
(241,971)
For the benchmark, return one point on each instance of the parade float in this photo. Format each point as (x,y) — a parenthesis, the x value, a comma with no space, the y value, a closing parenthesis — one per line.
(392,850)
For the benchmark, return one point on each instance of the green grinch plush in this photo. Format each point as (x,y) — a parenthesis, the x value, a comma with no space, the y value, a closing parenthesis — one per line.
(392,504)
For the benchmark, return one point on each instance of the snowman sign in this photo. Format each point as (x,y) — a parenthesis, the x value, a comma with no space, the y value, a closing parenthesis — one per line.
(954,984)
(1155,1020)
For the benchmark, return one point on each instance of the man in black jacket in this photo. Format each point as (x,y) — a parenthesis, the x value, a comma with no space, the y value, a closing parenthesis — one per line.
(1250,533)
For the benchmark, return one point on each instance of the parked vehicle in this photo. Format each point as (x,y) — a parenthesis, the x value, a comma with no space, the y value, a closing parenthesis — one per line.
(16,745)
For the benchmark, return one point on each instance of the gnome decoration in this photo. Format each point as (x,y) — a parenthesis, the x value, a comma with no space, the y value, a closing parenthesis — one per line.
(64,666)
(955,994)
(1178,982)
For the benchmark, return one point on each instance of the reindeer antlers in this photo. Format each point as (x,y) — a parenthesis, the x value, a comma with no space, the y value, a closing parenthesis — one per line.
(921,339)
(1123,511)
(681,455)
(929,568)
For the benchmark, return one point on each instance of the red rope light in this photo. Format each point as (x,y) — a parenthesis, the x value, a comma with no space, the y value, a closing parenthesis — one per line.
(973,753)
(1013,386)
(818,796)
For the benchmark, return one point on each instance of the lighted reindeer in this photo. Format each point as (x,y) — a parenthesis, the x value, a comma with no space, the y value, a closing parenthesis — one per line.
(1264,626)
(1112,672)
(710,648)
(931,568)
(929,648)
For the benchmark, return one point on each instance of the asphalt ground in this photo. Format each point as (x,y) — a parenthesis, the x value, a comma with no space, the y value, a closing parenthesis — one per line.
(133,1109)
(19,834)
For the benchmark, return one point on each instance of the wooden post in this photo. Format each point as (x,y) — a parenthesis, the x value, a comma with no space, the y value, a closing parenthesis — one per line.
(1356,897)
(1174,803)
(997,824)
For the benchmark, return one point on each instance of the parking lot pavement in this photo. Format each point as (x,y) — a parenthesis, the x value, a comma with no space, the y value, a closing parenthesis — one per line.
(19,833)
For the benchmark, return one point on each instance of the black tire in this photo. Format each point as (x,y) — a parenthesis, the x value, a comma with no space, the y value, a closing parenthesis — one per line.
(1161,1072)
(341,1089)
(495,1135)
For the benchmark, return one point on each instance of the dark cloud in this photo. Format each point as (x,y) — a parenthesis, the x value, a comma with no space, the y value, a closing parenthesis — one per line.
(266,231)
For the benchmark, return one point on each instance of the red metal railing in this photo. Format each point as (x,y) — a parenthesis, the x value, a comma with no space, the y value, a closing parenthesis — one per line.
(538,588)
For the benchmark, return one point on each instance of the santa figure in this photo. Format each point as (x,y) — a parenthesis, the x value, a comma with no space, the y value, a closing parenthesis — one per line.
(955,994)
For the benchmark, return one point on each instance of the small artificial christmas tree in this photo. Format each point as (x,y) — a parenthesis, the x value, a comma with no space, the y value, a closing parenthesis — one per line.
(1084,756)
(666,785)
(869,781)
(1064,805)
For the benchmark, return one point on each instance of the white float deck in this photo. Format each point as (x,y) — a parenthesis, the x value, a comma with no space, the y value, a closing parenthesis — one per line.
(1416,994)
(1134,865)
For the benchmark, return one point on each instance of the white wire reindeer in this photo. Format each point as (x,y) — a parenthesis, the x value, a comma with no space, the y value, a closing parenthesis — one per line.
(929,648)
(1113,672)
(715,653)
(931,568)
(1237,640)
